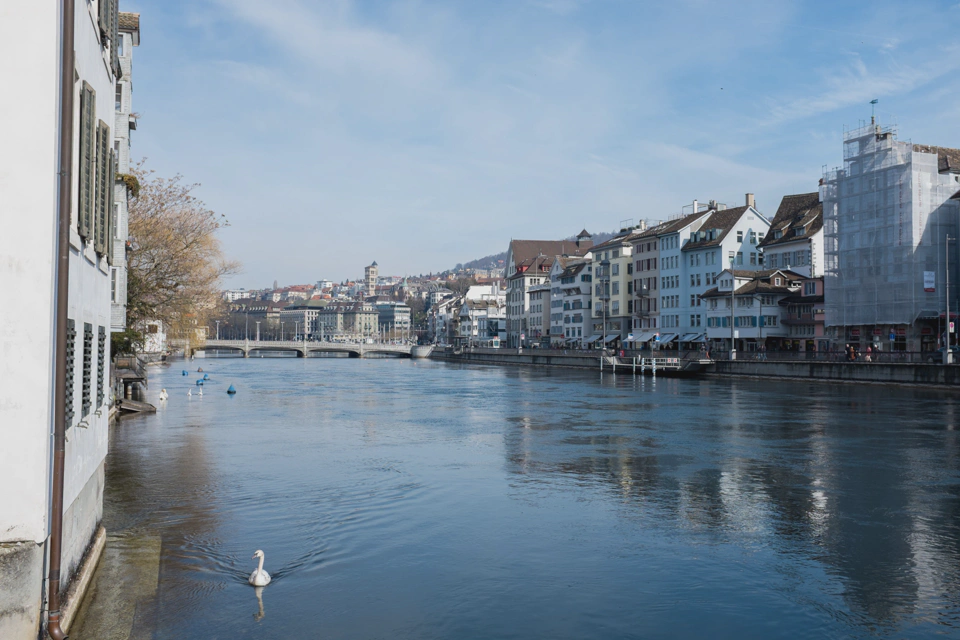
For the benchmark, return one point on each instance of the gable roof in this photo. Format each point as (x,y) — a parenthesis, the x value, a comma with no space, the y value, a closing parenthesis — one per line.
(948,160)
(532,266)
(724,221)
(674,226)
(526,249)
(799,211)
(128,21)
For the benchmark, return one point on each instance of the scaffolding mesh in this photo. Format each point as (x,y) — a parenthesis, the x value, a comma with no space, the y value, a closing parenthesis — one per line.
(886,216)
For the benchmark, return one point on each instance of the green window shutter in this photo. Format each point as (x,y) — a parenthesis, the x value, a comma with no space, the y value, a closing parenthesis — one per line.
(111,205)
(114,36)
(103,188)
(87,157)
(104,19)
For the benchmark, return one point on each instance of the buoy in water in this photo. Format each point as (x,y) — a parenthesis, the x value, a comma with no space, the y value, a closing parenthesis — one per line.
(231,390)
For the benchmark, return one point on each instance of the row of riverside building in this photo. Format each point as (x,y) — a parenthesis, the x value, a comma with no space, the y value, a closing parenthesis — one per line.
(31,38)
(864,260)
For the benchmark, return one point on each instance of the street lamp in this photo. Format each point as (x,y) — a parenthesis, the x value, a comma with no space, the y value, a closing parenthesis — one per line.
(281,331)
(296,330)
(218,329)
(258,330)
(947,354)
(246,326)
(733,288)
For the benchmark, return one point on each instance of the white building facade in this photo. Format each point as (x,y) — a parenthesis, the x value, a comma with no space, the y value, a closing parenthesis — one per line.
(28,275)
(128,37)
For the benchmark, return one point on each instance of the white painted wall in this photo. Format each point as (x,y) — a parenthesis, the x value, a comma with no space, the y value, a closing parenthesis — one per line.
(28,207)
(28,204)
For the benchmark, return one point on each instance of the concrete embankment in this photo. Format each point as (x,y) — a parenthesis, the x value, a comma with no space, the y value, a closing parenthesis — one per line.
(532,357)
(929,375)
(933,375)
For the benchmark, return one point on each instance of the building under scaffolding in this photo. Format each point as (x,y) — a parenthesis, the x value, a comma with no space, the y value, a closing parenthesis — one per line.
(886,217)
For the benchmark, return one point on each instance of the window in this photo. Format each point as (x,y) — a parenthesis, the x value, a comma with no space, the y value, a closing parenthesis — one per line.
(616,288)
(772,260)
(693,281)
(120,39)
(88,156)
(698,280)
(693,300)
(616,269)
(87,369)
(739,236)
(809,288)
(118,100)
(113,285)
(616,307)
(739,257)
(753,237)
(753,258)
(616,253)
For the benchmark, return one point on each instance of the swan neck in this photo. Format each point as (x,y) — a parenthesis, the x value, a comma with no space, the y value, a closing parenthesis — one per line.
(260,568)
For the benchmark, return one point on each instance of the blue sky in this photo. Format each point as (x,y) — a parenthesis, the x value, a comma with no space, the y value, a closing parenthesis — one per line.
(422,134)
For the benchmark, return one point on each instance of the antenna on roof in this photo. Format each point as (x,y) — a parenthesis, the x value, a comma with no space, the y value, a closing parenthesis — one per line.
(873,108)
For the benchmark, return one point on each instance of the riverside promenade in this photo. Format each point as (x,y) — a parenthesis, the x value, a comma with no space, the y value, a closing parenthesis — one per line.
(691,364)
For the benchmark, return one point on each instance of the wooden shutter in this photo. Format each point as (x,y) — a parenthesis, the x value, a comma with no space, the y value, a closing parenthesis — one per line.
(114,36)
(104,183)
(111,205)
(87,157)
(104,20)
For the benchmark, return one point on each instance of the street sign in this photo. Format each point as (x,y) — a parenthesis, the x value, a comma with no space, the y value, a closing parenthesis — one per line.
(892,337)
(523,336)
(657,337)
(630,338)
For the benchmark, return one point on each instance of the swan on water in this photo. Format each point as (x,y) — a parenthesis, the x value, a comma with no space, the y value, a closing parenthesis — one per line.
(259,577)
(200,392)
(163,394)
(189,392)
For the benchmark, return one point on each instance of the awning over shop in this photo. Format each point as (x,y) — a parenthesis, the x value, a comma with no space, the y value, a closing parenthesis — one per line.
(645,337)
(667,337)
(688,337)
(612,338)
(594,338)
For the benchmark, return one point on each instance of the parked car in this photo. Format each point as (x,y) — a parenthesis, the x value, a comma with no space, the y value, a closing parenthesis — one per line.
(954,349)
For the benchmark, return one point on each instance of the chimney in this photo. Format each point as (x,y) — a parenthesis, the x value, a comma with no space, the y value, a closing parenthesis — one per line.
(751,201)
(696,206)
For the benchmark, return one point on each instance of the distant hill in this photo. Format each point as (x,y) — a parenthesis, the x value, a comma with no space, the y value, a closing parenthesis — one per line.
(498,259)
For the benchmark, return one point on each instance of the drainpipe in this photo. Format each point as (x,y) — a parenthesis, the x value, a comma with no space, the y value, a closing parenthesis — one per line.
(65,193)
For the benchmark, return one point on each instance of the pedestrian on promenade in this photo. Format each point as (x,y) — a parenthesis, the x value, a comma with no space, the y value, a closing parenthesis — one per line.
(869,356)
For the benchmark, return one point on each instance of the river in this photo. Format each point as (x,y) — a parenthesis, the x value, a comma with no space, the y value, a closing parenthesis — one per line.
(417,499)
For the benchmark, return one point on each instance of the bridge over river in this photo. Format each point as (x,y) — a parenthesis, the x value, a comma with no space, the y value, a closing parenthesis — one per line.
(353,349)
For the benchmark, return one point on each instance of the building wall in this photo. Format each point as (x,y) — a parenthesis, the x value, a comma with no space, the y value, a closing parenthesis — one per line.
(28,194)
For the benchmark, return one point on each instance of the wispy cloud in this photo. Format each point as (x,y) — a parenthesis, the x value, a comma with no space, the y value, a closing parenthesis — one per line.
(438,131)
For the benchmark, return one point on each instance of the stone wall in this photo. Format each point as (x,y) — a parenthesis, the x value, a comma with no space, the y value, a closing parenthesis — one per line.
(875,372)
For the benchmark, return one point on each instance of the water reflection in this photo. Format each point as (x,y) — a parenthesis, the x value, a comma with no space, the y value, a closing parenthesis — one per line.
(431,500)
(258,616)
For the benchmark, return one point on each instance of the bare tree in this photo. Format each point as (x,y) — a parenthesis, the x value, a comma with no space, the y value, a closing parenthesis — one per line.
(174,260)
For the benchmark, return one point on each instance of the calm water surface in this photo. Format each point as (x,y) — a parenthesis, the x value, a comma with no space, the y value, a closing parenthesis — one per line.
(402,499)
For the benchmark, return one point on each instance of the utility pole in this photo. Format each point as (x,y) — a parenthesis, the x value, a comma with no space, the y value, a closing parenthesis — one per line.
(258,330)
(733,289)
(218,329)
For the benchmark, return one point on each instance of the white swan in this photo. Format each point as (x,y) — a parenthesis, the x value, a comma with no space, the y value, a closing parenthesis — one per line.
(163,394)
(189,392)
(200,392)
(259,577)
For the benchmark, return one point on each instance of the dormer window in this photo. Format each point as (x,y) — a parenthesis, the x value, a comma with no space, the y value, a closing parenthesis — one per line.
(799,231)
(777,234)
